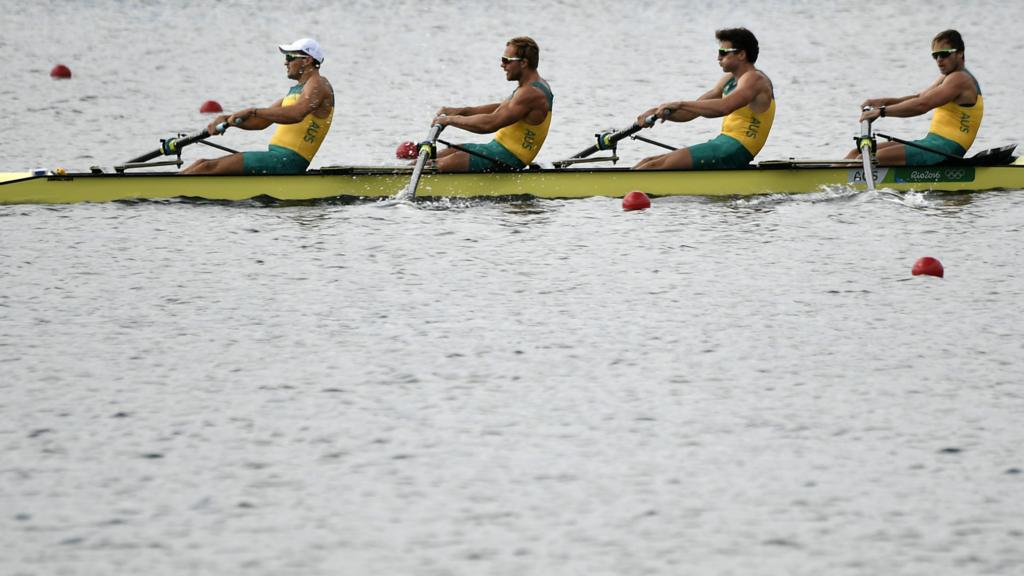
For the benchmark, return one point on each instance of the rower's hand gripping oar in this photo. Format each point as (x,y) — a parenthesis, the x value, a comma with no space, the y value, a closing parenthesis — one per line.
(428,151)
(867,145)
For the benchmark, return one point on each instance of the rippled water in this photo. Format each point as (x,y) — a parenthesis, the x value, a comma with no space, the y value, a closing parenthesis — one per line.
(752,386)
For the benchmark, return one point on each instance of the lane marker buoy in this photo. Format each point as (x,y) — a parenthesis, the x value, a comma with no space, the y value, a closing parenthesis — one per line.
(407,151)
(60,71)
(210,107)
(928,266)
(635,200)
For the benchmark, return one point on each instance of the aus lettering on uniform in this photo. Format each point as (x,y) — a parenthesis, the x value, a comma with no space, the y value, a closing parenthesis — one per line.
(528,138)
(753,127)
(311,132)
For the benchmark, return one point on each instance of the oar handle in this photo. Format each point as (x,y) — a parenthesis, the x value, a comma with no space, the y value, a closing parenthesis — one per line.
(650,120)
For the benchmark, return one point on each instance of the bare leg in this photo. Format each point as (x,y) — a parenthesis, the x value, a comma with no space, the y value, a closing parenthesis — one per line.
(231,164)
(675,160)
(452,160)
(895,155)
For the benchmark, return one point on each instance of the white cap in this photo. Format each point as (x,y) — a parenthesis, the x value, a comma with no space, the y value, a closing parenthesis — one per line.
(307,46)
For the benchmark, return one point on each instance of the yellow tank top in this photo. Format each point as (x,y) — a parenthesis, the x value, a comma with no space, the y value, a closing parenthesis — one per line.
(522,139)
(306,136)
(748,127)
(959,123)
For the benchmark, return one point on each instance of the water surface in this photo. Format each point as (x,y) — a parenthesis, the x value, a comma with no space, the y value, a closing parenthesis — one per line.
(711,386)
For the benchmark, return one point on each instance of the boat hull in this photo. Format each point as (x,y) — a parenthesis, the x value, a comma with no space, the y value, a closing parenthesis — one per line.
(383,182)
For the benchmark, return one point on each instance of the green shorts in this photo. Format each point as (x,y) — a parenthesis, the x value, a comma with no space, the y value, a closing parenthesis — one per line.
(276,160)
(721,152)
(494,151)
(918,157)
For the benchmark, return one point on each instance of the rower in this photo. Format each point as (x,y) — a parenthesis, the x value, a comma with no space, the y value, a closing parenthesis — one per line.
(956,98)
(744,96)
(303,118)
(521,121)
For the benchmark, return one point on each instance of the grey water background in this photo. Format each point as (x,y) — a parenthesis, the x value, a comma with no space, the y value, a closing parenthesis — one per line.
(739,386)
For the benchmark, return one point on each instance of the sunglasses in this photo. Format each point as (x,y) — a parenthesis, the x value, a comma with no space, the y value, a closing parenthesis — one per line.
(943,53)
(507,60)
(723,52)
(290,57)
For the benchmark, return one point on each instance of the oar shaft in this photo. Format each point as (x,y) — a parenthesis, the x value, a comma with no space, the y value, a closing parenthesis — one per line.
(920,147)
(173,146)
(866,144)
(426,151)
(608,140)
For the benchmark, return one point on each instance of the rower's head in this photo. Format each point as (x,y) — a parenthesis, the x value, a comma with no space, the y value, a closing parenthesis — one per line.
(521,53)
(301,56)
(948,51)
(736,46)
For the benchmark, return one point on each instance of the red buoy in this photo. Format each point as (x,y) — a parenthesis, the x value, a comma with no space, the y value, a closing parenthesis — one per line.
(210,107)
(928,266)
(407,151)
(60,71)
(636,200)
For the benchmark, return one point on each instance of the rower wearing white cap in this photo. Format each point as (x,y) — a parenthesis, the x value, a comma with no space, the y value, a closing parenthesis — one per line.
(303,118)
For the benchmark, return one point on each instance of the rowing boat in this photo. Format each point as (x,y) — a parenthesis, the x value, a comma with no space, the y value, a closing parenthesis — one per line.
(368,182)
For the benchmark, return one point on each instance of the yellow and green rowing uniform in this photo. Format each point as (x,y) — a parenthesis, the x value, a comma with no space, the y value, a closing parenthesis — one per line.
(952,131)
(524,140)
(292,146)
(744,133)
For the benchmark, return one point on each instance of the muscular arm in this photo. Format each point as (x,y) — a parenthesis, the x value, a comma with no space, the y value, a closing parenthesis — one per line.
(468,110)
(242,119)
(317,96)
(681,109)
(945,89)
(876,102)
(527,101)
(748,88)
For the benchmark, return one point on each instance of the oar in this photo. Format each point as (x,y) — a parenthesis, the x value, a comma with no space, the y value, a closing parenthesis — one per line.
(655,142)
(607,140)
(173,146)
(866,144)
(427,149)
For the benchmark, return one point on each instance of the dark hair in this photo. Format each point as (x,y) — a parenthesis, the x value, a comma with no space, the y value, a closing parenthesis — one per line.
(740,38)
(526,48)
(951,37)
